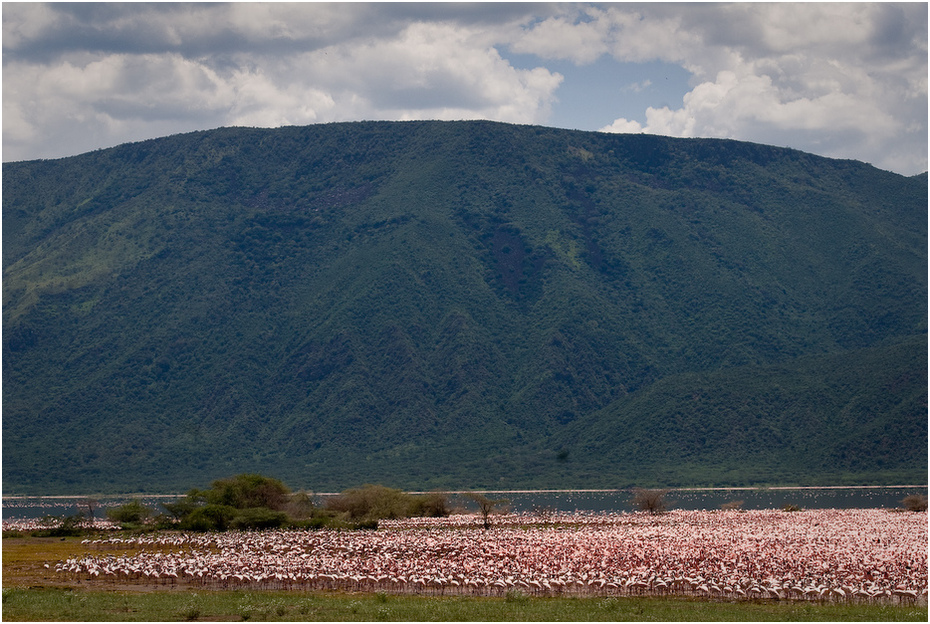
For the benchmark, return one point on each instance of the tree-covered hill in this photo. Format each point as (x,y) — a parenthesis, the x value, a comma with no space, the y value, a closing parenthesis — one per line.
(460,304)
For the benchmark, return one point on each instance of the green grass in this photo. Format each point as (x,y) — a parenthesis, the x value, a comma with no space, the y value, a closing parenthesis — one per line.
(47,604)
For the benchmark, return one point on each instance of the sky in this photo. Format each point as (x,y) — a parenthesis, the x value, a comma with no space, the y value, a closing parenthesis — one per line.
(835,79)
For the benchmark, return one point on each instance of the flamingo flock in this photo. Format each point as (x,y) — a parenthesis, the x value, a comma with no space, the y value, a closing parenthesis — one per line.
(38,524)
(812,555)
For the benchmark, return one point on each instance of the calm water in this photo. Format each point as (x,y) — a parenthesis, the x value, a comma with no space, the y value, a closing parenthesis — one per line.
(820,498)
(614,500)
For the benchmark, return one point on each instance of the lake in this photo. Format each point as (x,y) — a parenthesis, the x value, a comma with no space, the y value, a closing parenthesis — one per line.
(557,500)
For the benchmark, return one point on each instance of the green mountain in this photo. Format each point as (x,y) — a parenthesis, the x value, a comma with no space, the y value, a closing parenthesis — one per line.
(460,304)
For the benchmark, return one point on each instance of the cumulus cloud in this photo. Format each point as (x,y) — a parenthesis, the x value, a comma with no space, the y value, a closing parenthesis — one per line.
(93,75)
(837,79)
(845,80)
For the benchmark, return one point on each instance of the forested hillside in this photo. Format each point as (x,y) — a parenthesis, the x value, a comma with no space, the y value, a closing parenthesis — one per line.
(460,305)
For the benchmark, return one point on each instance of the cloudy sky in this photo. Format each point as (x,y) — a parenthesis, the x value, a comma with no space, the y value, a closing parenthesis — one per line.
(841,80)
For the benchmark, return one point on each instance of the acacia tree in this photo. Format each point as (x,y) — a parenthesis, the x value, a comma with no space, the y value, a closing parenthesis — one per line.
(246,491)
(133,512)
(486,506)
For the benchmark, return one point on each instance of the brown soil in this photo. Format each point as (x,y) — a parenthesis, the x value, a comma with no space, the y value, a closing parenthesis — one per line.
(25,560)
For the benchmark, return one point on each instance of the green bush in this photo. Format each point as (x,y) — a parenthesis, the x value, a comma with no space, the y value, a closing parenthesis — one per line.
(258,518)
(67,526)
(432,505)
(184,506)
(300,506)
(372,502)
(209,518)
(247,491)
(133,512)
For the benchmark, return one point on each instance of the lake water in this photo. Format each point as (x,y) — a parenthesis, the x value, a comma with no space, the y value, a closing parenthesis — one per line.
(772,498)
(565,501)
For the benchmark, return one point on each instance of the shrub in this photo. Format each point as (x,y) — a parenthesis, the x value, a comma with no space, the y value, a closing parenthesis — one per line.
(300,506)
(66,526)
(182,507)
(372,502)
(247,491)
(915,502)
(790,507)
(209,518)
(732,505)
(133,512)
(432,505)
(258,518)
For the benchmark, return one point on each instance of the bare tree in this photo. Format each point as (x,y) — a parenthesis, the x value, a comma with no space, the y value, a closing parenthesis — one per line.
(652,501)
(486,506)
(91,504)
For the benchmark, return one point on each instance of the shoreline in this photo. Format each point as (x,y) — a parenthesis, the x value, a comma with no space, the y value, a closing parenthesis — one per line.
(553,491)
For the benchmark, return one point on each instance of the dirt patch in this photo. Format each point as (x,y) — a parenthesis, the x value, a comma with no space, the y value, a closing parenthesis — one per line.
(30,562)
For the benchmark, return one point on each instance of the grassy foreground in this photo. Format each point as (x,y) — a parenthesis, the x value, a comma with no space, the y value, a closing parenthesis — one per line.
(64,604)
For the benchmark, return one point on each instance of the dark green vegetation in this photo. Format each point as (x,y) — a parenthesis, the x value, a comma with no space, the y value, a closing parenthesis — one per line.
(460,305)
(256,502)
(38,604)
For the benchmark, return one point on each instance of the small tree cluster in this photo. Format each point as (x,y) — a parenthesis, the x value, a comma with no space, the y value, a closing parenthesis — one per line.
(253,501)
(246,501)
(915,502)
(371,503)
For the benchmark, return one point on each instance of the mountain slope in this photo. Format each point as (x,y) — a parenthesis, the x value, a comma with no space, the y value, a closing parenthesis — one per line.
(429,304)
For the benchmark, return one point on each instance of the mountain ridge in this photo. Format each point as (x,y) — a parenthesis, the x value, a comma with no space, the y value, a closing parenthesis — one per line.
(370,301)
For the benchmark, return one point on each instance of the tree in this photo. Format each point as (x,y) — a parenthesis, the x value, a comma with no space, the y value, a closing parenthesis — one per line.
(132,512)
(91,504)
(209,518)
(248,491)
(258,518)
(432,505)
(372,502)
(300,506)
(652,501)
(486,506)
(183,507)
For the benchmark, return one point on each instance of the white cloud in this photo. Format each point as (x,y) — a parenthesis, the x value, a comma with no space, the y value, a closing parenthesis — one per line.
(638,87)
(847,80)
(24,22)
(582,42)
(412,70)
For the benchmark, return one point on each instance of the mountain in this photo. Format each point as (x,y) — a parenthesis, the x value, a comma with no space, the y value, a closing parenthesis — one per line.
(460,305)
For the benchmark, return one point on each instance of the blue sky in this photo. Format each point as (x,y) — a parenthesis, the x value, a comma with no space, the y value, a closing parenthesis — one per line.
(607,89)
(846,80)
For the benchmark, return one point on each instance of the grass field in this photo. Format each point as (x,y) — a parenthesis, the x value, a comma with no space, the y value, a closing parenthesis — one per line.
(66,604)
(32,592)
